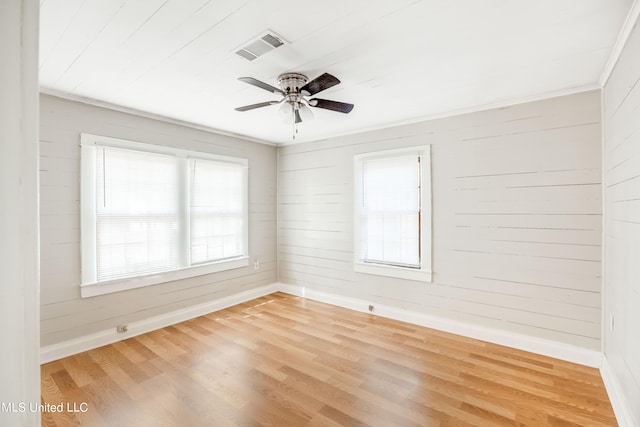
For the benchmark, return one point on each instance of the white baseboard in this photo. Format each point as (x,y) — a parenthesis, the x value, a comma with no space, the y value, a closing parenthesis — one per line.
(77,345)
(541,346)
(621,406)
(523,342)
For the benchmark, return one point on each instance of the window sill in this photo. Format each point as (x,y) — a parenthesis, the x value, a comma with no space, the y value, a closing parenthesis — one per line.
(391,271)
(101,288)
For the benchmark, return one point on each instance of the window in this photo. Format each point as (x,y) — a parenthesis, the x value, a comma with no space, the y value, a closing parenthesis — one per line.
(152,214)
(393,213)
(217,214)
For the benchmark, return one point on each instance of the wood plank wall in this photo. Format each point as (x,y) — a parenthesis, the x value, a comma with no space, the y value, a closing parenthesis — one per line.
(517,216)
(64,315)
(19,320)
(621,122)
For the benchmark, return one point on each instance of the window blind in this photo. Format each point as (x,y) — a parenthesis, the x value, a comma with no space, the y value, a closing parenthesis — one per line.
(216,210)
(154,214)
(136,213)
(390,211)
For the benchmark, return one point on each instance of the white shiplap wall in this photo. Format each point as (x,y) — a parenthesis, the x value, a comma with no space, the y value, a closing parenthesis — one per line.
(516,219)
(19,355)
(621,123)
(64,315)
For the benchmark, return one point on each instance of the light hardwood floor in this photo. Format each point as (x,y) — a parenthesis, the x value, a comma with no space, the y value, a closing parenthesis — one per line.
(282,360)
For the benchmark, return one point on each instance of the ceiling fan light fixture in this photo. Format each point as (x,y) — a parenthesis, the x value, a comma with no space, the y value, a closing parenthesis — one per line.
(305,112)
(285,112)
(288,109)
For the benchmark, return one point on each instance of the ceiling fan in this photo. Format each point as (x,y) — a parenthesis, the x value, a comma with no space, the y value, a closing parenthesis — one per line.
(295,89)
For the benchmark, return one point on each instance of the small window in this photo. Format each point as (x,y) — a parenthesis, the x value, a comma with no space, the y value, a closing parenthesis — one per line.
(152,214)
(393,213)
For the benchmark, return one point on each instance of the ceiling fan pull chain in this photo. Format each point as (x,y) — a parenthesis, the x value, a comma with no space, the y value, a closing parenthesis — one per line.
(294,129)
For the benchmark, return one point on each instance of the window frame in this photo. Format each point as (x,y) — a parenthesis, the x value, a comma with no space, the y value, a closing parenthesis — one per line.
(424,272)
(89,286)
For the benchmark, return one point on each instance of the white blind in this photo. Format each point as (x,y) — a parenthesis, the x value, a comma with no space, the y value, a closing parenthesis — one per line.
(217,210)
(390,211)
(154,213)
(136,213)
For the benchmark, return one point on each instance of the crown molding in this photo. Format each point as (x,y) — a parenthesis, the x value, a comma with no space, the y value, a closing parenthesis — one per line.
(145,114)
(459,112)
(623,36)
(451,113)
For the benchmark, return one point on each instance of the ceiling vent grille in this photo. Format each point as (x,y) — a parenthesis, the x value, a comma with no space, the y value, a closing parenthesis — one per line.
(265,42)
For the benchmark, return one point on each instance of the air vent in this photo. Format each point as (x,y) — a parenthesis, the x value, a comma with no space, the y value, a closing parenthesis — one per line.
(260,45)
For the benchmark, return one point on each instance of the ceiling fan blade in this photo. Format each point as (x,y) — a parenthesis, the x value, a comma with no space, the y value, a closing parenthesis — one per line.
(252,106)
(319,84)
(261,85)
(341,107)
(298,118)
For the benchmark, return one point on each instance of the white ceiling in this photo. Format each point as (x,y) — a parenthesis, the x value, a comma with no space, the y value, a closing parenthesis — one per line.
(398,60)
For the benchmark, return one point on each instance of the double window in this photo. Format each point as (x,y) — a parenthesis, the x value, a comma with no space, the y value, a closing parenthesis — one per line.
(152,214)
(393,213)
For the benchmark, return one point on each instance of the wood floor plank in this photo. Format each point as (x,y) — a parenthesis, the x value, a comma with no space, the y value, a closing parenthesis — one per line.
(282,360)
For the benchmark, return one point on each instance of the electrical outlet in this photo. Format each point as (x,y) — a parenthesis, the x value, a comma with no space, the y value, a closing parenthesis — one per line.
(256,264)
(371,308)
(122,329)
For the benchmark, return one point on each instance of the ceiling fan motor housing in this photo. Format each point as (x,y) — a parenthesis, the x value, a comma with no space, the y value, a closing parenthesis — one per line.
(290,83)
